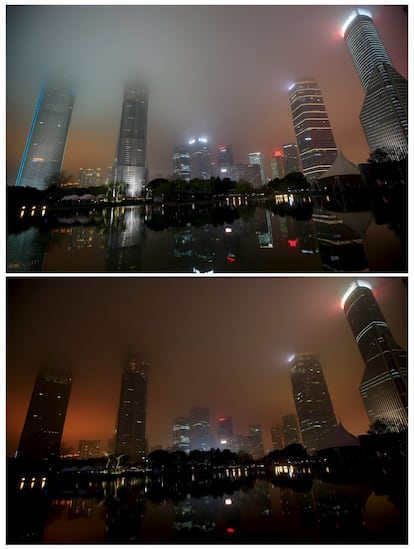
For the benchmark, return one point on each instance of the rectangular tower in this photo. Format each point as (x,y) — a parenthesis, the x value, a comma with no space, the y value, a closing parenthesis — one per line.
(132,415)
(130,161)
(45,146)
(316,143)
(45,419)
(291,431)
(313,403)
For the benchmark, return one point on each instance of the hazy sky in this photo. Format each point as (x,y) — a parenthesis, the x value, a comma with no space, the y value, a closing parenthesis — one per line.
(219,342)
(218,71)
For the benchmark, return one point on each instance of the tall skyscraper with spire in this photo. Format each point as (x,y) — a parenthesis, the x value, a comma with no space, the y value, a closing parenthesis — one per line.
(383,386)
(132,415)
(42,432)
(45,146)
(130,161)
(316,143)
(384,114)
(313,403)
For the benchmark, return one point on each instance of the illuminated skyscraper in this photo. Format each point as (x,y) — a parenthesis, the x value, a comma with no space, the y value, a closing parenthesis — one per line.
(132,415)
(182,163)
(130,161)
(384,384)
(277,436)
(181,434)
(384,114)
(45,146)
(313,130)
(200,429)
(200,158)
(313,403)
(291,432)
(45,419)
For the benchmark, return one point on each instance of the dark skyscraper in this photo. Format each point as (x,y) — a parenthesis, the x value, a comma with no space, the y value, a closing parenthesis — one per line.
(225,432)
(181,434)
(384,383)
(313,130)
(291,156)
(291,432)
(224,160)
(45,419)
(313,403)
(131,426)
(276,436)
(384,114)
(182,162)
(200,429)
(45,146)
(130,161)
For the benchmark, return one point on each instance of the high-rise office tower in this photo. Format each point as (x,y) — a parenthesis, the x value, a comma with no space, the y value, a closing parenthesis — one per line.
(130,161)
(200,158)
(384,114)
(200,429)
(182,163)
(384,383)
(225,432)
(45,419)
(45,146)
(224,160)
(291,431)
(277,163)
(276,436)
(181,434)
(256,158)
(313,130)
(256,438)
(90,177)
(291,156)
(313,403)
(132,415)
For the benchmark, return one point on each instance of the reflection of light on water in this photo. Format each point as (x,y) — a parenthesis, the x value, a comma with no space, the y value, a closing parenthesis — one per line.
(228,501)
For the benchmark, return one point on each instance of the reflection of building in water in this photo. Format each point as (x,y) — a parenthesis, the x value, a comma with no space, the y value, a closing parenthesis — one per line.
(26,250)
(125,239)
(266,238)
(125,515)
(340,509)
(192,249)
(341,248)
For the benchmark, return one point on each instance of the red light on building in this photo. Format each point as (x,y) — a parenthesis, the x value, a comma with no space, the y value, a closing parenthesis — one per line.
(278,153)
(230,530)
(293,243)
(222,419)
(231,258)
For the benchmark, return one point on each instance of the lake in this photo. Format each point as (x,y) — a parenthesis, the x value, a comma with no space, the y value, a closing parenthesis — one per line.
(235,235)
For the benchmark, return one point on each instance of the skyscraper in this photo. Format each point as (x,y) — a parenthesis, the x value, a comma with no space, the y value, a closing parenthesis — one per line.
(276,436)
(45,419)
(225,432)
(224,160)
(313,130)
(291,156)
(256,158)
(291,432)
(256,438)
(313,403)
(384,383)
(45,146)
(181,434)
(182,163)
(130,161)
(89,449)
(384,114)
(277,163)
(132,415)
(200,158)
(200,429)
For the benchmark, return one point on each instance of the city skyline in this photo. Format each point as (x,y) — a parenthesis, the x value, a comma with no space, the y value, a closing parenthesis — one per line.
(249,106)
(203,351)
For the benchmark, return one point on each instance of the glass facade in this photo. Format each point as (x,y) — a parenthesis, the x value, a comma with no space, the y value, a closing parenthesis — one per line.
(291,432)
(200,429)
(182,163)
(384,114)
(316,143)
(313,403)
(131,426)
(45,419)
(129,166)
(45,146)
(384,383)
(200,158)
(181,434)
